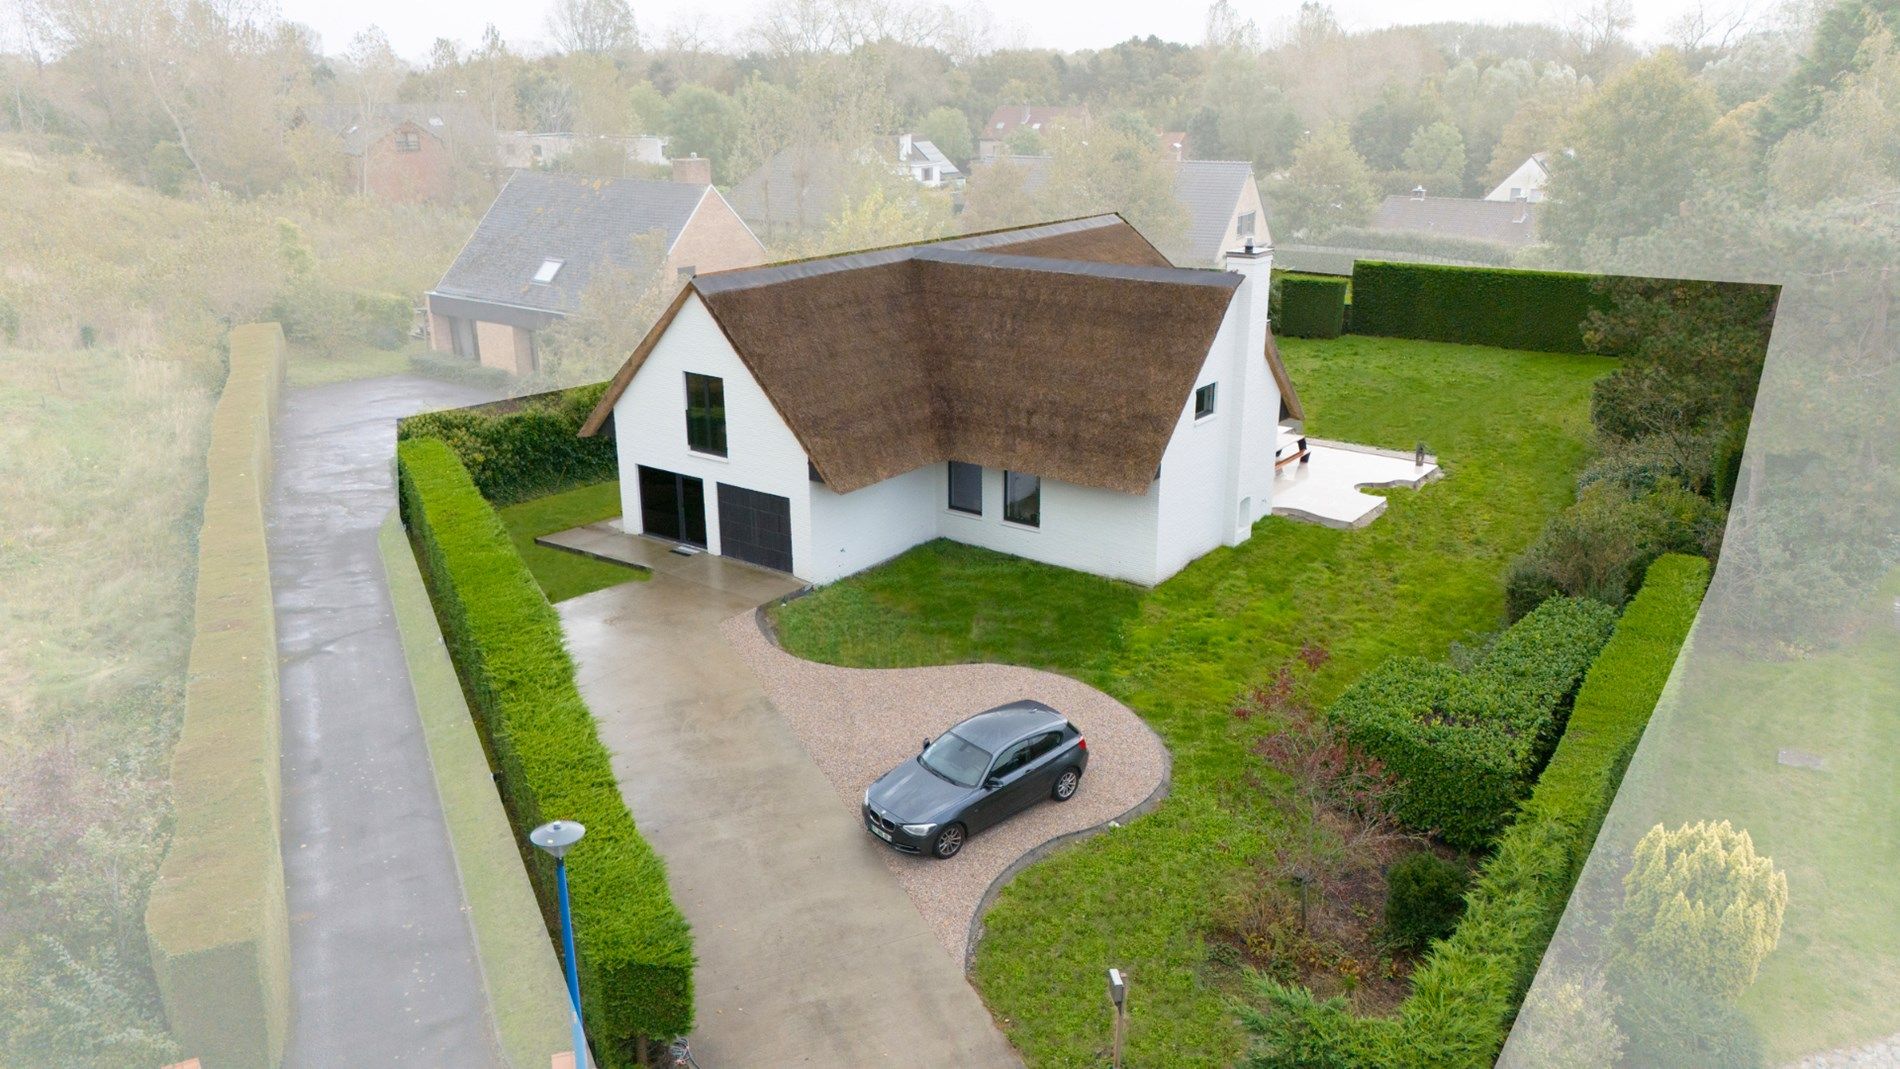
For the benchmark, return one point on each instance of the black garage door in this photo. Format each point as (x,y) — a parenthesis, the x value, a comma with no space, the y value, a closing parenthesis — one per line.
(672,506)
(755,527)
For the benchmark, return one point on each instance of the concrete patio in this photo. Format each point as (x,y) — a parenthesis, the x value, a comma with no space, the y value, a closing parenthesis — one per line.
(1325,488)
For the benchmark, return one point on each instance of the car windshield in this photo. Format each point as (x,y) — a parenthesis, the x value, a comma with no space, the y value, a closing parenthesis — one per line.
(956,759)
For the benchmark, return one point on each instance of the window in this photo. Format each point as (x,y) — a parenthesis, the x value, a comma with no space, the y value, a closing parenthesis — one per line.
(1042,744)
(1013,759)
(706,414)
(408,141)
(548,269)
(1204,401)
(966,487)
(1022,499)
(1246,224)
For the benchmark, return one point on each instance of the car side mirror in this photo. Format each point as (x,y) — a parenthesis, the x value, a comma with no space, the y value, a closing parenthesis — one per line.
(992,783)
(925,746)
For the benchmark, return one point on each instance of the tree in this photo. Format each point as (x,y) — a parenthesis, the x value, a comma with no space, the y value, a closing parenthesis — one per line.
(1700,908)
(703,120)
(997,196)
(1382,132)
(1437,152)
(890,212)
(1117,166)
(1835,50)
(1328,186)
(620,304)
(946,128)
(375,72)
(597,27)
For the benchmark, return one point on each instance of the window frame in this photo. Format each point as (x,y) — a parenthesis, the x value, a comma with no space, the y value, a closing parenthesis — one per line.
(709,411)
(408,141)
(1010,516)
(950,488)
(1248,224)
(551,267)
(1212,392)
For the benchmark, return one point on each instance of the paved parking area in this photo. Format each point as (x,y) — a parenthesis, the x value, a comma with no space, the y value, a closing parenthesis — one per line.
(809,952)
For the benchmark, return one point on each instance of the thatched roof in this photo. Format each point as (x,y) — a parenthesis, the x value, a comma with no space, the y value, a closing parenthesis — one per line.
(1065,350)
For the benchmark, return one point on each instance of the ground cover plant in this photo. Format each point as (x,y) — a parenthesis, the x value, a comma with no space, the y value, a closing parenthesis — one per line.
(562,574)
(525,447)
(1511,429)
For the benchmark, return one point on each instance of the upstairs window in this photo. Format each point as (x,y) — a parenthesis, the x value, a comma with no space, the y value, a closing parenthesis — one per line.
(1022,499)
(1246,225)
(548,269)
(966,488)
(706,414)
(1204,401)
(408,141)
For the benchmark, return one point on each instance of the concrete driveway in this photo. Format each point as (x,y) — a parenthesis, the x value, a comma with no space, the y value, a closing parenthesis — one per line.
(809,952)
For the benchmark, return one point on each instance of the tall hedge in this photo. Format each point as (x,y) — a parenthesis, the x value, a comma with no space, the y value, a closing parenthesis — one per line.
(634,948)
(1464,745)
(1466,993)
(216,921)
(1311,306)
(525,448)
(1539,310)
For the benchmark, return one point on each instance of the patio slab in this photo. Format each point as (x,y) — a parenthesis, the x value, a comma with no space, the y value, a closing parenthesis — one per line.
(1326,489)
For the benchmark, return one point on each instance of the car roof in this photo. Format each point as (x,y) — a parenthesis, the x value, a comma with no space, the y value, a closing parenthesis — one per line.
(995,728)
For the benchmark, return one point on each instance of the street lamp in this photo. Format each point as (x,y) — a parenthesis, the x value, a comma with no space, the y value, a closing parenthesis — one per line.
(1118,994)
(556,838)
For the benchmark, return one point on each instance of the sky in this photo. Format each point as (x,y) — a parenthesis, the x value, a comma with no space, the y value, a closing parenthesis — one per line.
(1068,24)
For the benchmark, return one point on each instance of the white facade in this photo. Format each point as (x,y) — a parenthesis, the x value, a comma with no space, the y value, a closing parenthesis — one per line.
(1215,482)
(1525,184)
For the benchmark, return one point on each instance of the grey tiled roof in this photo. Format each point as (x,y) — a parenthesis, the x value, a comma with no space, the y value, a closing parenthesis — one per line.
(581,220)
(1501,222)
(798,186)
(1208,189)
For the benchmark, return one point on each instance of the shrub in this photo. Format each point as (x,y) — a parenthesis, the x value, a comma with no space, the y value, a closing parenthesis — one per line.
(634,948)
(1568,1025)
(1466,993)
(1540,310)
(385,319)
(452,368)
(1600,546)
(1700,908)
(1424,897)
(1311,306)
(525,448)
(1464,745)
(1674,1024)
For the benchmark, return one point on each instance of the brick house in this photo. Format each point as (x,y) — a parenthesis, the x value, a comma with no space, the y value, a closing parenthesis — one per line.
(399,152)
(549,233)
(993,139)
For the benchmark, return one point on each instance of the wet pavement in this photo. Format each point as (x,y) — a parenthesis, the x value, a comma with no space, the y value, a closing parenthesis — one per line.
(382,960)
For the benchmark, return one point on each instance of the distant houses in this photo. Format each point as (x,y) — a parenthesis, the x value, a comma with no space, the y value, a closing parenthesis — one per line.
(1526,183)
(803,186)
(1007,119)
(549,234)
(924,164)
(405,153)
(1511,224)
(517,149)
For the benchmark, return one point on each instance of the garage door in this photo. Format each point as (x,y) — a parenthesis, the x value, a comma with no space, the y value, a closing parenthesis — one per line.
(755,527)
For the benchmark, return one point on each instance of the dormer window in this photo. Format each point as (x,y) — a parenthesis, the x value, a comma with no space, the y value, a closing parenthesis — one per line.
(408,141)
(549,268)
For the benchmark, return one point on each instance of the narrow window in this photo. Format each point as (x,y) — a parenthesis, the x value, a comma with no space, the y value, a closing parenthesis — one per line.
(706,414)
(966,487)
(1022,499)
(1246,224)
(548,269)
(1204,401)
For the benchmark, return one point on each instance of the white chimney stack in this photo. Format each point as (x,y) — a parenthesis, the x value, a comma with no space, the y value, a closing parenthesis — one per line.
(1249,392)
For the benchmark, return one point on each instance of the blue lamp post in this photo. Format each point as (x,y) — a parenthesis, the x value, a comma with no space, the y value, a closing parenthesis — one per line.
(555,838)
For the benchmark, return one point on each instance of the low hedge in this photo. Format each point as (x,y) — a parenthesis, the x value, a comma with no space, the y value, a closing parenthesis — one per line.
(1311,306)
(1466,993)
(1464,746)
(526,447)
(1539,310)
(216,921)
(634,947)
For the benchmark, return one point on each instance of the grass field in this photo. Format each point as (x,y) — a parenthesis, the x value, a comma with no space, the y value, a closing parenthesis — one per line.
(1510,429)
(564,575)
(307,367)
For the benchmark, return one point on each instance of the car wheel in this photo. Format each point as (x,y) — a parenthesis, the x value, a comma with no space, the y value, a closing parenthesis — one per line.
(1066,785)
(948,841)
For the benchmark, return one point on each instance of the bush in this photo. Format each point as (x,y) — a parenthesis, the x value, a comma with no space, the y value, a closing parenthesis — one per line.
(1540,310)
(1600,547)
(330,319)
(634,949)
(1424,897)
(1466,993)
(216,920)
(450,368)
(1311,306)
(1464,745)
(1700,908)
(385,319)
(524,448)
(1674,1024)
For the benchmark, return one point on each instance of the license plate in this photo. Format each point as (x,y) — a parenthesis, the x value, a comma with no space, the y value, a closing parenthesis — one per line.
(879,832)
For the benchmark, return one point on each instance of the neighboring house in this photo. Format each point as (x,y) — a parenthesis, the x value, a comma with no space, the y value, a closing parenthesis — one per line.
(1221,198)
(524,148)
(1512,224)
(1526,183)
(993,140)
(1174,144)
(399,152)
(922,163)
(549,233)
(1057,392)
(798,187)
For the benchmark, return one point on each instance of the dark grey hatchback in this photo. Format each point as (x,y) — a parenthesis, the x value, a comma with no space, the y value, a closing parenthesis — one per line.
(982,771)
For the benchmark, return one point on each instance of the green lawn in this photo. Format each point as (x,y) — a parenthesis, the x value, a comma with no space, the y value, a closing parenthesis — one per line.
(1511,431)
(306,367)
(564,575)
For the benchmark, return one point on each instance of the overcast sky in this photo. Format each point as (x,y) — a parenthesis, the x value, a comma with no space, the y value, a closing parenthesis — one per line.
(1068,24)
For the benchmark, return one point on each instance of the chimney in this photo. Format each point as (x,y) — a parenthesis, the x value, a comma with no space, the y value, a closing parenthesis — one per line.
(695,169)
(903,147)
(1418,192)
(1247,392)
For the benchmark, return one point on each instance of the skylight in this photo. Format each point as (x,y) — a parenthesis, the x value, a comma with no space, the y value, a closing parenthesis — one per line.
(549,268)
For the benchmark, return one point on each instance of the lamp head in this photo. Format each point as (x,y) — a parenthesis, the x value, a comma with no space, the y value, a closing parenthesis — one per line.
(556,836)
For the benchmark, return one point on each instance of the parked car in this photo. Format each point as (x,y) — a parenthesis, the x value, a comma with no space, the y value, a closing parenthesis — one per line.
(979,773)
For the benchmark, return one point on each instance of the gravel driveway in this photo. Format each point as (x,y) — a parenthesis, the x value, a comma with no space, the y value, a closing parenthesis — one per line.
(859,723)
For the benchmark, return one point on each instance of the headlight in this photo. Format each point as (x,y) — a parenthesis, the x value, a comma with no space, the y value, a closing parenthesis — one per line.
(867,797)
(919,829)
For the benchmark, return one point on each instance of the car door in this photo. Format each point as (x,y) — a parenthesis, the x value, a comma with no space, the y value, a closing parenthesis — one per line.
(1039,774)
(1002,787)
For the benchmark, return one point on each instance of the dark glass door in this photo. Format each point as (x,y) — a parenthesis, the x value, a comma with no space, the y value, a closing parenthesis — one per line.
(672,506)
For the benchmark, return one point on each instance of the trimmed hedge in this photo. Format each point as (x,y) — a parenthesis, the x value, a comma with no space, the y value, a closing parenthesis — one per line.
(1464,746)
(634,947)
(523,448)
(1311,307)
(1466,994)
(216,921)
(1539,310)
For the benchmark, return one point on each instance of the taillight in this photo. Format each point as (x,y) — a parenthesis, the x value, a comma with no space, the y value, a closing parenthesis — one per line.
(1082,744)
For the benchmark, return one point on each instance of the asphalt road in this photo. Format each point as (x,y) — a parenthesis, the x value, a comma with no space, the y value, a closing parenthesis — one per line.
(383,965)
